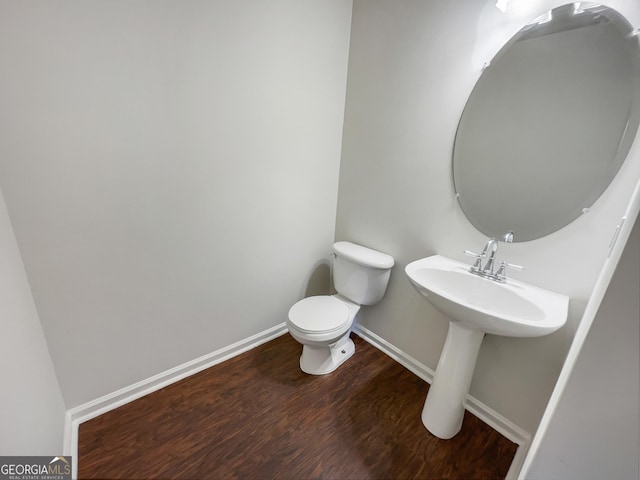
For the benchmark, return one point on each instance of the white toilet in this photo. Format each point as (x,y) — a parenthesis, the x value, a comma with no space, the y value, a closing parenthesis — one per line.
(322,324)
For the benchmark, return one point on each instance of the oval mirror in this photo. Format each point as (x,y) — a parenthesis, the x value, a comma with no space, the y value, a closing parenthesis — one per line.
(549,122)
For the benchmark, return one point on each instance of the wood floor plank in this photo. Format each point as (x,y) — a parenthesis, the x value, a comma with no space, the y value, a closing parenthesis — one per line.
(257,416)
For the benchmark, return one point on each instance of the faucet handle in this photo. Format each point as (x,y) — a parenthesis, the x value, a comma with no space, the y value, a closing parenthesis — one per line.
(478,263)
(513,265)
(500,274)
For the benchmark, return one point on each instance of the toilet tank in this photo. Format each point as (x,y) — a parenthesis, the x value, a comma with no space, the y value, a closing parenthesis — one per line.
(359,273)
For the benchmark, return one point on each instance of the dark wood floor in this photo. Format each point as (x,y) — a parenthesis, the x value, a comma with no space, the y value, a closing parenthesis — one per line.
(257,416)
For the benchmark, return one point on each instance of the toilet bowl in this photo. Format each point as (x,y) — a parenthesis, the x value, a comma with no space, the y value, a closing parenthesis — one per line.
(322,324)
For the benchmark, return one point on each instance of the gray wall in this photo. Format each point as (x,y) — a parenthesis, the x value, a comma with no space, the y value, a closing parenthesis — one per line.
(594,432)
(31,407)
(171,172)
(412,66)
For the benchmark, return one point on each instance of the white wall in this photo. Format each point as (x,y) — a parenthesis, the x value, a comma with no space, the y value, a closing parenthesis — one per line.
(171,171)
(594,432)
(412,66)
(31,407)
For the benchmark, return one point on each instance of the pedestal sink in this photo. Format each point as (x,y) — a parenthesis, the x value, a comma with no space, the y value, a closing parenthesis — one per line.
(476,306)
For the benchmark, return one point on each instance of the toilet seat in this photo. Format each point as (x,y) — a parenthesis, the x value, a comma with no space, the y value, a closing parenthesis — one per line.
(319,314)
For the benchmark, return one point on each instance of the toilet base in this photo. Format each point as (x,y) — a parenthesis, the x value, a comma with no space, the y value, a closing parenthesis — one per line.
(316,360)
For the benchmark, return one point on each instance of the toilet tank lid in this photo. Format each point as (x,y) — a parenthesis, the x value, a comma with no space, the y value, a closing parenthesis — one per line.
(363,255)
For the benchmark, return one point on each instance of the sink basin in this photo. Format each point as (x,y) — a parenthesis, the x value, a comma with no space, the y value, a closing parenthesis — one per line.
(476,306)
(512,309)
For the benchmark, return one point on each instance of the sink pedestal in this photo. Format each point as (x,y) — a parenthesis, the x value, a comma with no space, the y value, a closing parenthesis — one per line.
(444,408)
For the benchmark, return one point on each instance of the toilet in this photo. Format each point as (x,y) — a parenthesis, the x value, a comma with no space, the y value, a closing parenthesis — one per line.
(322,323)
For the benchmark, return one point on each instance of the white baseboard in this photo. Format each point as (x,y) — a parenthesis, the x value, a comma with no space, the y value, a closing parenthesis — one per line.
(394,352)
(111,401)
(489,416)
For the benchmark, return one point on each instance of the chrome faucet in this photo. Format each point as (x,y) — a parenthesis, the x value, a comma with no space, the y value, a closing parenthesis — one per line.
(489,252)
(492,248)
